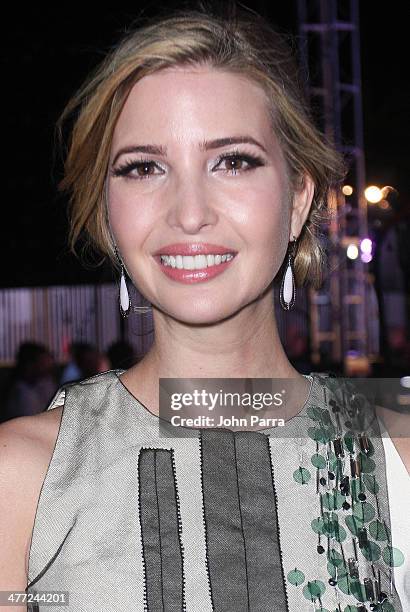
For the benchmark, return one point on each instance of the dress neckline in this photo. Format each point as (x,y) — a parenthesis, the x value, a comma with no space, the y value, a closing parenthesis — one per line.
(156,419)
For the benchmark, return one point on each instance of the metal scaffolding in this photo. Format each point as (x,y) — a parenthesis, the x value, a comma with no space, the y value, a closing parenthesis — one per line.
(329,47)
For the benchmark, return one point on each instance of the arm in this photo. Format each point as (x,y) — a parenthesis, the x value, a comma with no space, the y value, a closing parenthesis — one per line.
(21,477)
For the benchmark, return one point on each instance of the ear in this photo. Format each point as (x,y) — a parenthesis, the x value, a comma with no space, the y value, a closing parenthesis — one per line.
(302,201)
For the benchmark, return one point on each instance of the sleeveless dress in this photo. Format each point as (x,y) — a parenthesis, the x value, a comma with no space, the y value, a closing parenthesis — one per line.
(291,519)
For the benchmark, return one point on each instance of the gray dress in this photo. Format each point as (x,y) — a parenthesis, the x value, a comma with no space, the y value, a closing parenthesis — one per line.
(223,520)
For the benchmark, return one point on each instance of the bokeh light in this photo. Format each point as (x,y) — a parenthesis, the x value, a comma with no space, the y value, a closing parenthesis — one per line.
(366,257)
(373,194)
(366,245)
(352,251)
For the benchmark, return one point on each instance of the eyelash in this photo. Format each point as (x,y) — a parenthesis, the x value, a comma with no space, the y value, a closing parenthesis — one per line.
(253,160)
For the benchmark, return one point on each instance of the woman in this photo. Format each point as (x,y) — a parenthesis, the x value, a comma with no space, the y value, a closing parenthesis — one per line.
(193,149)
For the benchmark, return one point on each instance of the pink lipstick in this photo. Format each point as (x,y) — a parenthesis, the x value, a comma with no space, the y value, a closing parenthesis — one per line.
(194,262)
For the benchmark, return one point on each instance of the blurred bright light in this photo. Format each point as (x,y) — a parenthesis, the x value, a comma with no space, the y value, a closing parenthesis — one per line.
(366,257)
(366,245)
(347,190)
(373,194)
(405,381)
(352,251)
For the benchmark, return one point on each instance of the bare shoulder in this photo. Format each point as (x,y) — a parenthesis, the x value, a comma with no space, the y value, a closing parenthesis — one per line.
(26,448)
(397,425)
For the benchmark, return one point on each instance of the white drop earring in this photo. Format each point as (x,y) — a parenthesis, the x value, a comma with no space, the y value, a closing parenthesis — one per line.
(287,293)
(125,302)
(124,298)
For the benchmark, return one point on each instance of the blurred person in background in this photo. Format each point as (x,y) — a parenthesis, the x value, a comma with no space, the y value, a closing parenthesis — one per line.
(86,360)
(32,382)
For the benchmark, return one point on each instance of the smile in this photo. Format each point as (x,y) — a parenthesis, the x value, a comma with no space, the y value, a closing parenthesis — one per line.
(190,269)
(196,262)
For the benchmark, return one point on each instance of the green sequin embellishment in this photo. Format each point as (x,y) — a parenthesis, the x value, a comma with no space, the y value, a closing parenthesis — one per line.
(371,551)
(332,500)
(322,434)
(387,607)
(329,525)
(318,525)
(393,556)
(348,440)
(296,577)
(364,511)
(315,413)
(332,460)
(313,589)
(378,531)
(341,570)
(302,475)
(339,533)
(371,484)
(335,558)
(367,465)
(318,461)
(358,590)
(353,524)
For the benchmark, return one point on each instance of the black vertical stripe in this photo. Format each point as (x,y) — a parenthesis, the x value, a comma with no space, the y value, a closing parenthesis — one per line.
(223,522)
(159,530)
(259,522)
(241,522)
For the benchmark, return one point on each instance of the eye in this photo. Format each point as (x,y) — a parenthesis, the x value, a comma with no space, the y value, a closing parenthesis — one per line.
(143,167)
(234,162)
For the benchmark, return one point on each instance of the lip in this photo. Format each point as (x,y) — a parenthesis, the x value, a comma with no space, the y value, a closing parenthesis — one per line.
(194,248)
(190,277)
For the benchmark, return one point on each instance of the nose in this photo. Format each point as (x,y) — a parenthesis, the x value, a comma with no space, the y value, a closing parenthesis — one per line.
(191,205)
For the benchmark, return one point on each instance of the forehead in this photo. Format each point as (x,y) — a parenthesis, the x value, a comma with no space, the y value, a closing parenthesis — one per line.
(189,102)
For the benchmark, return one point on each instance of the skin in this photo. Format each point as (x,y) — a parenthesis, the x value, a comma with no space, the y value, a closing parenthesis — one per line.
(224,327)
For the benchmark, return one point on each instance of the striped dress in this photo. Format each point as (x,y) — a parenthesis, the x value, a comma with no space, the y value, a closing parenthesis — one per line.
(209,520)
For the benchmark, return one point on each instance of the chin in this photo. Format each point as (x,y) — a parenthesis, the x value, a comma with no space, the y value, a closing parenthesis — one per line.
(200,313)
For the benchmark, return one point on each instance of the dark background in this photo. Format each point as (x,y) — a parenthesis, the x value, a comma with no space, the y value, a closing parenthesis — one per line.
(48,53)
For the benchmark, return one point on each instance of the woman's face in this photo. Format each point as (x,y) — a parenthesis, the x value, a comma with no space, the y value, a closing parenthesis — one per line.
(183,189)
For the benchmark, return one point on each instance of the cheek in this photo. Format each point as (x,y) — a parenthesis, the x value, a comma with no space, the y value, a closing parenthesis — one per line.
(129,218)
(265,217)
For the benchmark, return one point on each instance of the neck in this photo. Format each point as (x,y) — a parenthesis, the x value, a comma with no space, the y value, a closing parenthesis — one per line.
(246,345)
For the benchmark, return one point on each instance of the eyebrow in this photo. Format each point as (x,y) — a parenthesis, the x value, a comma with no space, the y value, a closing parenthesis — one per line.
(205,145)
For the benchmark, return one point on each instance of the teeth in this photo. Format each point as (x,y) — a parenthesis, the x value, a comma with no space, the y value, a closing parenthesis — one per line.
(194,262)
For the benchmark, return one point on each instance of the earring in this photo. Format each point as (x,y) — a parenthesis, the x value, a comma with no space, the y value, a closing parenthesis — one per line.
(287,293)
(124,298)
(125,302)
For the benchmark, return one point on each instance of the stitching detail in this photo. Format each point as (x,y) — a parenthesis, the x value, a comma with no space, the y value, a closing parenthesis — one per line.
(144,578)
(203,518)
(179,519)
(159,526)
(277,518)
(240,514)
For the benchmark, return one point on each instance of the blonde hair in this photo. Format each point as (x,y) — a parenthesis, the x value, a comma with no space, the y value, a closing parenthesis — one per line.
(244,44)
